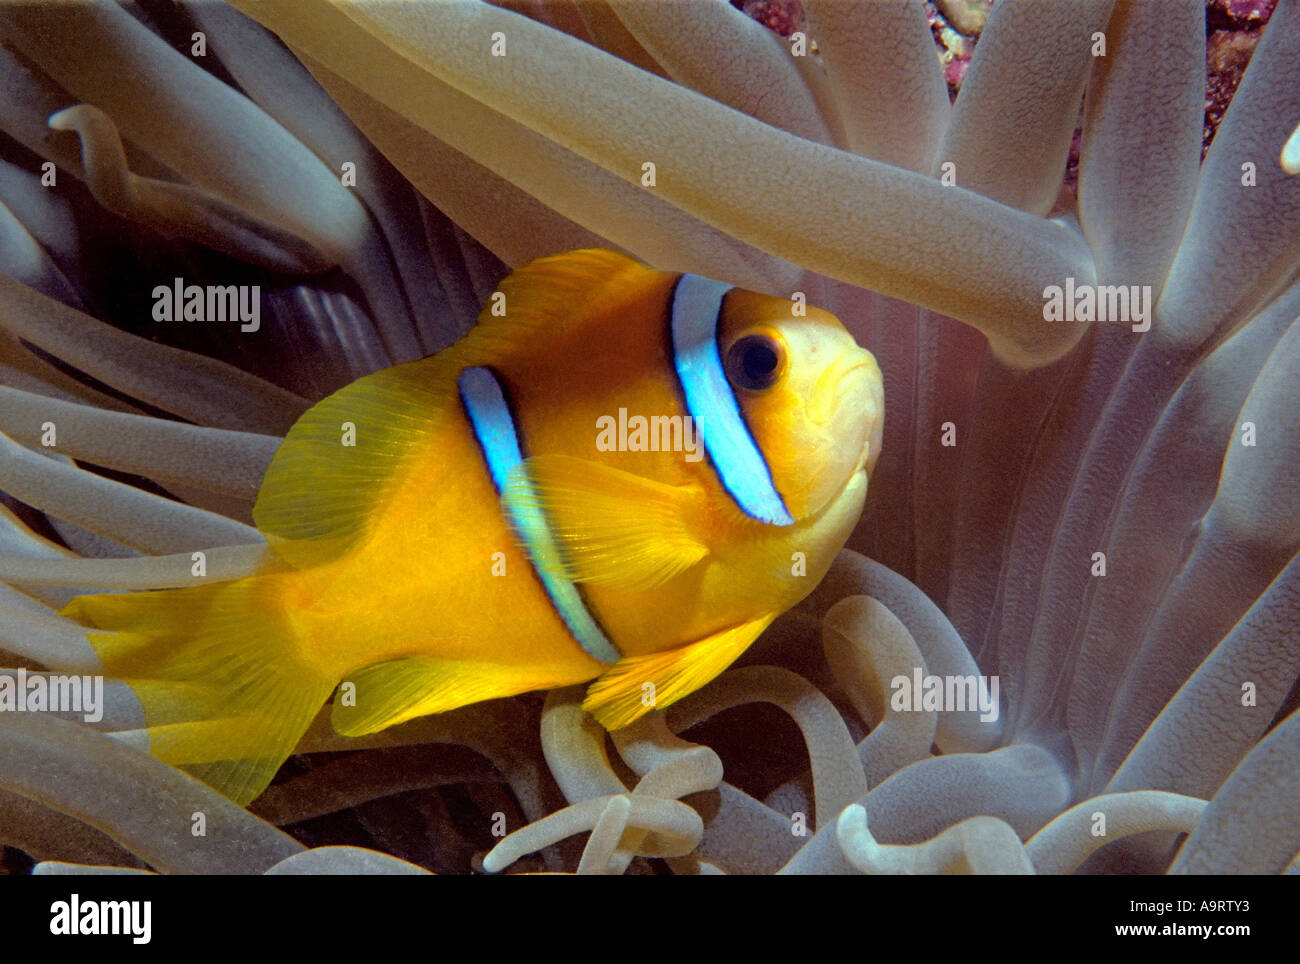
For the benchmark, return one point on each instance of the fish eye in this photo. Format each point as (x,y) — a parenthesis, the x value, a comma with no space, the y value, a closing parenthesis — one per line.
(755,362)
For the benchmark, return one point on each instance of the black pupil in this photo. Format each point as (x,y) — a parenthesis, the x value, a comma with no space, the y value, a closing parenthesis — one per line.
(759,361)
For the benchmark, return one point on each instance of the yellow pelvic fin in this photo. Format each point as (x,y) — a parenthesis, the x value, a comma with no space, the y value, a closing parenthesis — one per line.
(620,696)
(612,528)
(215,671)
(329,476)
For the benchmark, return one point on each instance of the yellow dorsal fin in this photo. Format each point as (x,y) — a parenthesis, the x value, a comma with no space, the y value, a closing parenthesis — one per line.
(612,528)
(618,697)
(559,288)
(332,470)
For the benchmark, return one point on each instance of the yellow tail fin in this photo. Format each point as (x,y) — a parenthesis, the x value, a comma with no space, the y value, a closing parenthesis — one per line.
(225,695)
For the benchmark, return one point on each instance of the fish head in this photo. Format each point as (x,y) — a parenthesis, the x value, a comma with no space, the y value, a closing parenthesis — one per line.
(811,397)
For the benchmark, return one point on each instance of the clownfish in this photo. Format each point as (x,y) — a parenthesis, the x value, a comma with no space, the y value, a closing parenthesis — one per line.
(491,520)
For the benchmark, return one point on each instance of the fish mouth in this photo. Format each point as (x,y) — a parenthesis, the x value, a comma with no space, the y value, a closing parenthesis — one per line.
(832,391)
(847,394)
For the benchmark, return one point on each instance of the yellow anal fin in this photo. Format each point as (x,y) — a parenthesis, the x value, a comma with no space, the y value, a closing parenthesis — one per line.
(620,696)
(392,692)
(612,528)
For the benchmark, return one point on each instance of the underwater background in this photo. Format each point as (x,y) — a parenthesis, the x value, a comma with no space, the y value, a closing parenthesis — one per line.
(377,169)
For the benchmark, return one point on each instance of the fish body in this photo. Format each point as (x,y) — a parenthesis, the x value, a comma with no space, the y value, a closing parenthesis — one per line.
(622,477)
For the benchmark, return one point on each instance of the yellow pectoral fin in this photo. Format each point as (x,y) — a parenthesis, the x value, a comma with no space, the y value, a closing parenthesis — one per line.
(639,684)
(611,528)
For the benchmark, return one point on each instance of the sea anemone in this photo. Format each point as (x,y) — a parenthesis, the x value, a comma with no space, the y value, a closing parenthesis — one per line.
(1103,518)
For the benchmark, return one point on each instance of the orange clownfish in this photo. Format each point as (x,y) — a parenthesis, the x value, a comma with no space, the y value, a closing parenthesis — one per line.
(610,481)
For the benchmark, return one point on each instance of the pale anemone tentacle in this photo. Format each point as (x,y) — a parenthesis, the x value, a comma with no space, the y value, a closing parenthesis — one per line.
(992,291)
(756,76)
(47,834)
(220,564)
(190,120)
(48,640)
(1185,452)
(1135,188)
(837,773)
(140,802)
(177,209)
(1263,791)
(980,845)
(27,99)
(353,780)
(143,521)
(492,730)
(574,745)
(344,861)
(19,541)
(600,854)
(575,753)
(670,768)
(1215,717)
(867,647)
(631,217)
(1289,159)
(1022,785)
(1137,174)
(23,259)
(1012,123)
(676,826)
(601,26)
(745,836)
(50,218)
(1179,337)
(55,868)
(273,79)
(160,449)
(939,644)
(1056,417)
(216,137)
(1241,243)
(1139,158)
(1064,844)
(469,192)
(887,85)
(986,504)
(1249,532)
(200,389)
(119,709)
(361,349)
(948,359)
